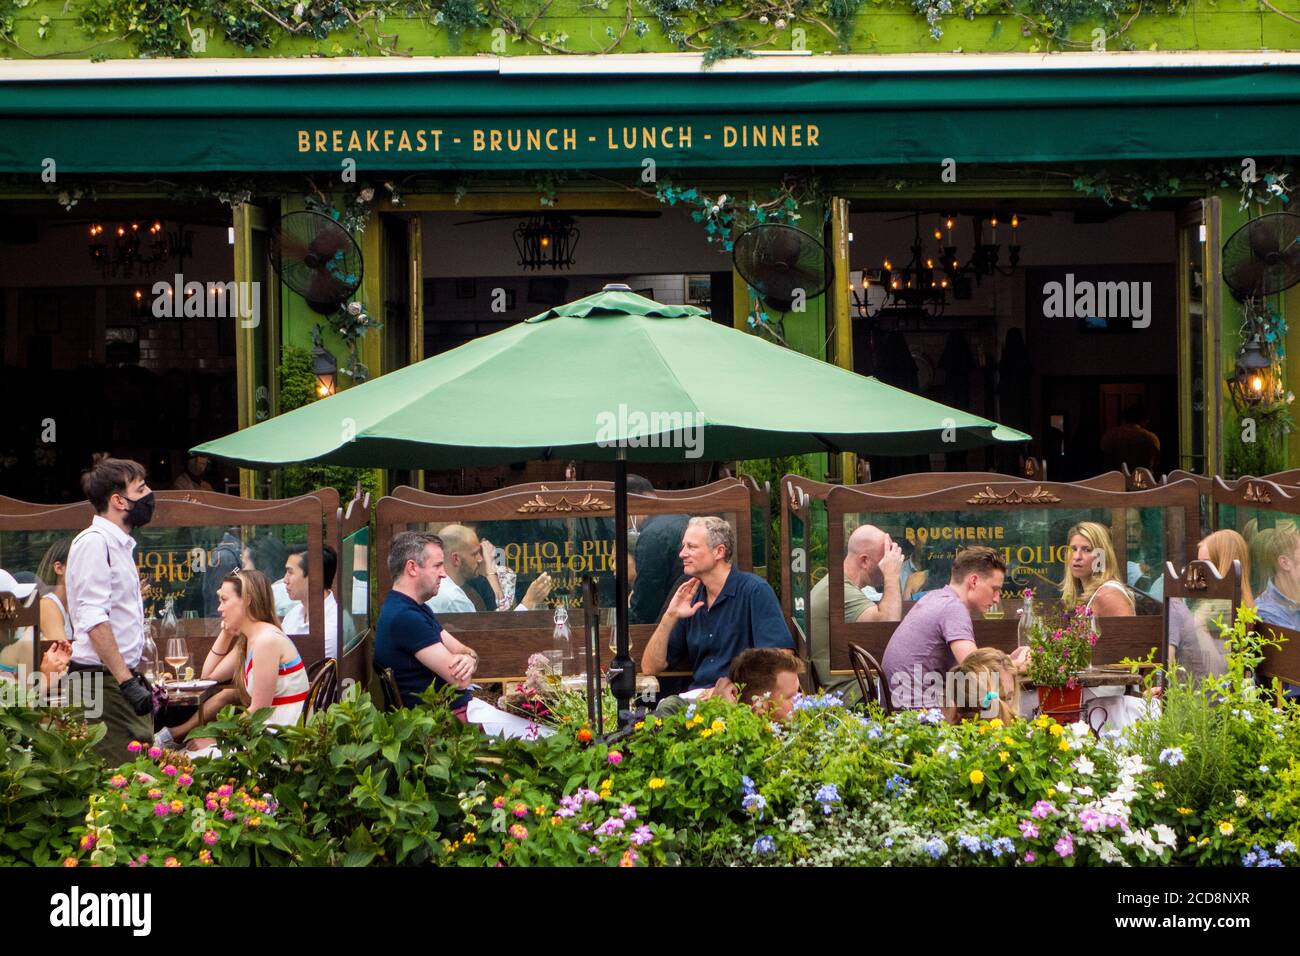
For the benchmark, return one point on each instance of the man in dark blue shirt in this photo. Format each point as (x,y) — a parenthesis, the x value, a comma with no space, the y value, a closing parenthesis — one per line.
(719,612)
(408,638)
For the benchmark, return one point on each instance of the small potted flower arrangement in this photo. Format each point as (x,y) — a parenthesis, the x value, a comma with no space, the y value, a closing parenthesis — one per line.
(1060,647)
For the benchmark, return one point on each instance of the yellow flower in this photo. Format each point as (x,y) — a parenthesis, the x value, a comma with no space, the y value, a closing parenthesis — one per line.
(557,821)
(468,838)
(1003,756)
(1055,730)
(1063,745)
(1008,740)
(706,733)
(1051,792)
(658,722)
(977,777)
(254,821)
(607,784)
(983,728)
(718,725)
(1225,828)
(656,783)
(639,725)
(996,723)
(1157,785)
(453,847)
(1184,810)
(539,810)
(1042,722)
(177,806)
(697,719)
(1011,768)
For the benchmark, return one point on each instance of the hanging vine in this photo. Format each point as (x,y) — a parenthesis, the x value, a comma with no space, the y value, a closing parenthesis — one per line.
(718,29)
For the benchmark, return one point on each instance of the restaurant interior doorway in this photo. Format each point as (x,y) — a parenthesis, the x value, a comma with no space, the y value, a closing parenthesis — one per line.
(86,367)
(1070,321)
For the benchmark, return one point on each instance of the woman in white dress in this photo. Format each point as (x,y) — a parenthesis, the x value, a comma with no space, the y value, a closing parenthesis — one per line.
(1093,575)
(252,651)
(1195,647)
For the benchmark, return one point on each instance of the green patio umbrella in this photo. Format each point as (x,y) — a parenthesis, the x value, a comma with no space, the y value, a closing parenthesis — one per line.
(611,377)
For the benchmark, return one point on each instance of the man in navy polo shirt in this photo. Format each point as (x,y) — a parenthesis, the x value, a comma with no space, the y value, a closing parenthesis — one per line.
(718,613)
(408,638)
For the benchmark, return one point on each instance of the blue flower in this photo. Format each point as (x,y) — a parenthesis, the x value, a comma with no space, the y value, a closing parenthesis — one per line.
(826,795)
(819,701)
(968,843)
(874,731)
(1002,845)
(754,803)
(1286,846)
(935,847)
(764,845)
(933,716)
(897,784)
(888,842)
(690,712)
(747,785)
(1171,756)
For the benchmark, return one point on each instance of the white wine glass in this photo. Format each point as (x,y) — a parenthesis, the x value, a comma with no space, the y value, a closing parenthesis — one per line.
(178,654)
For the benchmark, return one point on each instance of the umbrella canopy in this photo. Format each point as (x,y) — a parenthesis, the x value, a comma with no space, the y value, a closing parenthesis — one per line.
(613,371)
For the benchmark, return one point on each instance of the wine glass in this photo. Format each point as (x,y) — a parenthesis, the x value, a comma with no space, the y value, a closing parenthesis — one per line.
(178,654)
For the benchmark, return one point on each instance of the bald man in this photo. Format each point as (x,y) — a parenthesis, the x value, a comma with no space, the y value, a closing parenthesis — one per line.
(872,592)
(465,557)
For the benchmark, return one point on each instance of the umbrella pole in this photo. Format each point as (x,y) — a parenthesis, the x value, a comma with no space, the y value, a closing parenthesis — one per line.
(622,669)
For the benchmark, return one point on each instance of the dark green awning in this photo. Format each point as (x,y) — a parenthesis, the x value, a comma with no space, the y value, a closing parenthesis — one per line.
(435,121)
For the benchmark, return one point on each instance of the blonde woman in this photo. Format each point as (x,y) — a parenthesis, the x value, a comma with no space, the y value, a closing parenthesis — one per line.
(1093,576)
(1194,644)
(253,652)
(995,686)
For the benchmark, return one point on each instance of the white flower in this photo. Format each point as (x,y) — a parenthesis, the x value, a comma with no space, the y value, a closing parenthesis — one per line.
(1083,791)
(1240,799)
(1084,766)
(780,25)
(366,195)
(1063,788)
(1165,834)
(354,308)
(1079,729)
(297,10)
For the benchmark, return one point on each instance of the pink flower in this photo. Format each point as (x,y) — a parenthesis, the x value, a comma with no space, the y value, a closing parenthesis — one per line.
(88,841)
(1065,846)
(155,753)
(1029,857)
(519,831)
(154,794)
(185,780)
(1090,820)
(1071,683)
(225,790)
(134,747)
(170,770)
(210,837)
(499,802)
(1061,669)
(627,811)
(641,835)
(160,809)
(228,815)
(520,810)
(615,757)
(142,859)
(171,861)
(1028,829)
(118,781)
(210,803)
(1042,810)
(629,858)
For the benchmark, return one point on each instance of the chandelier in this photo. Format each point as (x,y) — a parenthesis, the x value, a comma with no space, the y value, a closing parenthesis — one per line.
(922,283)
(546,240)
(131,249)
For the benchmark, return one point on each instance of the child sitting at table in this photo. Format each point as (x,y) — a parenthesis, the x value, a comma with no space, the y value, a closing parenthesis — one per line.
(988,686)
(251,651)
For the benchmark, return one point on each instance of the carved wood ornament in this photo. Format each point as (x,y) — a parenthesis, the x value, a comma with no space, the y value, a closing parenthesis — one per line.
(990,497)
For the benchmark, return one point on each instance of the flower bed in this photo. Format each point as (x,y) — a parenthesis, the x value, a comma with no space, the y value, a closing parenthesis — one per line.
(1212,780)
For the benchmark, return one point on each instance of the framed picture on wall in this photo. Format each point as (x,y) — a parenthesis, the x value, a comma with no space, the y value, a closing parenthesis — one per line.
(698,290)
(466,289)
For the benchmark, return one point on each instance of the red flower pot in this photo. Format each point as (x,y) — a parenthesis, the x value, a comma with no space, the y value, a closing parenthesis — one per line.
(1065,704)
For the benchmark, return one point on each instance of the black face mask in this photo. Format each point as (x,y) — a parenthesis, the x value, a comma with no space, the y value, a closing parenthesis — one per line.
(141,512)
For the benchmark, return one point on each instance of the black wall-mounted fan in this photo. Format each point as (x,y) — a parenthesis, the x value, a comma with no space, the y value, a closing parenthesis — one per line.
(1263,257)
(317,258)
(778,261)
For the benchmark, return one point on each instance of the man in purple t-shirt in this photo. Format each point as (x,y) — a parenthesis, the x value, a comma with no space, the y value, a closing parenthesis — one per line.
(937,634)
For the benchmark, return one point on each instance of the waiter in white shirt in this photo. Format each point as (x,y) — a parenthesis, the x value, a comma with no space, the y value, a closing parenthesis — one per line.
(465,558)
(105,602)
(295,621)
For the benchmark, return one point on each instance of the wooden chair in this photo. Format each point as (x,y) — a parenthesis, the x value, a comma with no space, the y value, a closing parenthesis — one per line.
(871,678)
(323,689)
(388,687)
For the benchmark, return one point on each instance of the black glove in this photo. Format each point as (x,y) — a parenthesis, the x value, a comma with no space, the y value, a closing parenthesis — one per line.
(138,694)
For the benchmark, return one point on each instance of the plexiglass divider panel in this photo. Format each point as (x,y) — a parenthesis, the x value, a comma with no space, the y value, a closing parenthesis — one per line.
(193,541)
(564,530)
(1028,524)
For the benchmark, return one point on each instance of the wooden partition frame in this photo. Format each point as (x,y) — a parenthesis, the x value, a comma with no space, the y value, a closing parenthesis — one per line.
(15,615)
(797,493)
(1139,479)
(1121,637)
(504,651)
(354,662)
(1283,662)
(317,511)
(1200,580)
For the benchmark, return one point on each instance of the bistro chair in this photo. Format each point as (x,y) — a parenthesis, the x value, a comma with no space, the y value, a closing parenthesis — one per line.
(324,679)
(388,687)
(871,678)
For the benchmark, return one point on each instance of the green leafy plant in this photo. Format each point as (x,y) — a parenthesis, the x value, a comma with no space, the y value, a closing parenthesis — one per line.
(47,768)
(1060,645)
